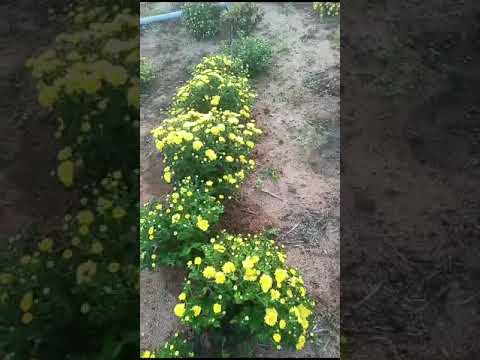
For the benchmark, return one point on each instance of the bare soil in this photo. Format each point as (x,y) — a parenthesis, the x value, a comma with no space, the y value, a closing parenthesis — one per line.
(416,200)
(29,196)
(298,108)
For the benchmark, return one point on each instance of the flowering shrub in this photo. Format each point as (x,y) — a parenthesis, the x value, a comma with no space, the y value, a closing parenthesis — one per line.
(202,19)
(213,146)
(326,9)
(177,347)
(254,53)
(210,88)
(241,17)
(148,71)
(95,73)
(244,281)
(173,232)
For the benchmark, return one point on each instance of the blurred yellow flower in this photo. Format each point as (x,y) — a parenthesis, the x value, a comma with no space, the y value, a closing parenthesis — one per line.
(45,245)
(65,172)
(27,318)
(27,301)
(217,308)
(86,271)
(277,337)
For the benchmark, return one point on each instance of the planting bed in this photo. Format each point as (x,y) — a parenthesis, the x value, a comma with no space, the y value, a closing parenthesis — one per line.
(296,187)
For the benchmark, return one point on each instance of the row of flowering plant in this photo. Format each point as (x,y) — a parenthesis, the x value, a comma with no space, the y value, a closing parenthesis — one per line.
(206,154)
(236,282)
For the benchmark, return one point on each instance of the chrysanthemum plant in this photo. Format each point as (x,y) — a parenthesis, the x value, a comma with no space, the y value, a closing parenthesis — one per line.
(244,282)
(215,146)
(77,281)
(90,80)
(175,230)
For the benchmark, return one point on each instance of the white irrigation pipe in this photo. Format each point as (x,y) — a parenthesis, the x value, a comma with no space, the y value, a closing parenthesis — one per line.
(169,16)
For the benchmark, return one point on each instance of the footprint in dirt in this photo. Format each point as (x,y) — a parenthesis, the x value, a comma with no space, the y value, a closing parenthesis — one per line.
(325,82)
(325,158)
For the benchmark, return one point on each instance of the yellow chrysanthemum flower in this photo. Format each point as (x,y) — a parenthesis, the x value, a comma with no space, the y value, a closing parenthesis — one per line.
(265,282)
(196,310)
(179,310)
(219,277)
(211,155)
(275,294)
(300,343)
(86,271)
(270,316)
(228,267)
(197,145)
(209,272)
(85,217)
(219,248)
(202,224)
(45,245)
(215,100)
(280,276)
(217,308)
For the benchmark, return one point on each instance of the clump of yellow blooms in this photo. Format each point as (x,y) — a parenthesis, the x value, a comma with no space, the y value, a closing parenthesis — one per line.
(213,88)
(222,64)
(215,146)
(173,232)
(276,288)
